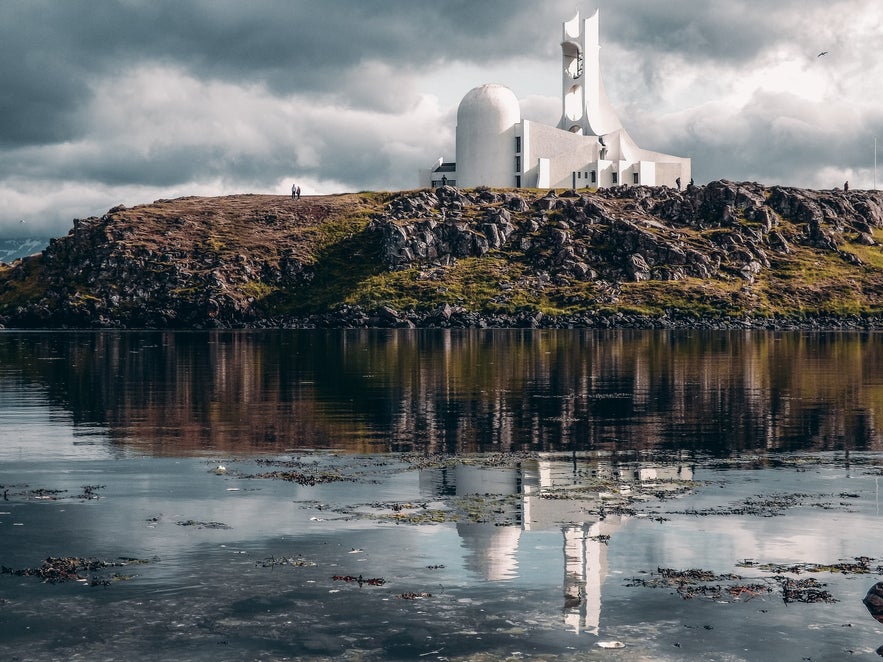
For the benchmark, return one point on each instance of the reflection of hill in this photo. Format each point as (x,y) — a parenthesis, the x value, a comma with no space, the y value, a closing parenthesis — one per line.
(183,393)
(460,391)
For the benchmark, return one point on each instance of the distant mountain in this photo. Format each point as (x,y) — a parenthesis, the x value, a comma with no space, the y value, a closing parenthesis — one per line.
(12,249)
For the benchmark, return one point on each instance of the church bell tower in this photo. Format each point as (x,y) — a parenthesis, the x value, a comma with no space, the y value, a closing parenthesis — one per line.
(586,109)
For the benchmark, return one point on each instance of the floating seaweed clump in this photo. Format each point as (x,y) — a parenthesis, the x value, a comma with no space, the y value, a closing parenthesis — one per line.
(89,492)
(295,562)
(485,460)
(374,581)
(204,525)
(807,590)
(773,505)
(423,516)
(496,509)
(860,565)
(693,575)
(306,479)
(42,493)
(696,583)
(57,570)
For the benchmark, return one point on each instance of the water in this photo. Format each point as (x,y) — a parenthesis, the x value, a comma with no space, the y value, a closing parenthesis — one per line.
(517,492)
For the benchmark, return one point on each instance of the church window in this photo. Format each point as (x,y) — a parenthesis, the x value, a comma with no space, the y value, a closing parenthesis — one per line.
(594,176)
(636,178)
(518,164)
(518,144)
(615,177)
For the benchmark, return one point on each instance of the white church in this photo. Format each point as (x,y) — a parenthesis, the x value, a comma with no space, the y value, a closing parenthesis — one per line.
(588,148)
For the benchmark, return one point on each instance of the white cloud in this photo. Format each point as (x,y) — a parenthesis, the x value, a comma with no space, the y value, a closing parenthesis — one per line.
(158,132)
(246,101)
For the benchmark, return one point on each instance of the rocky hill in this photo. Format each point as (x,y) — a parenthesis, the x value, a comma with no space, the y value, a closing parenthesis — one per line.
(721,255)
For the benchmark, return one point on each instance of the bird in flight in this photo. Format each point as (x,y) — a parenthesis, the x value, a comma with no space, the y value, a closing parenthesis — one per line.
(822,53)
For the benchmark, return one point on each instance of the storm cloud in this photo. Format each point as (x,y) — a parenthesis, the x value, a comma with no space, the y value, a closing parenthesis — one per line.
(105,102)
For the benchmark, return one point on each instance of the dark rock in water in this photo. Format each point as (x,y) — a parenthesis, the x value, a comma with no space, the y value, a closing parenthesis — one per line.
(874,601)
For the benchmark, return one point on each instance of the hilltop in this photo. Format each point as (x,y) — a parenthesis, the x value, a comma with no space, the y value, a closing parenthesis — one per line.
(721,255)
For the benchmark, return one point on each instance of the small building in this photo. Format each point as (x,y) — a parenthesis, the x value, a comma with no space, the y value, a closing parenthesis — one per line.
(588,148)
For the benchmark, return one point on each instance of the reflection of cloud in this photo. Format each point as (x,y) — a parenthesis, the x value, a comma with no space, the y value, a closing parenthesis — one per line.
(491,550)
(34,430)
(478,480)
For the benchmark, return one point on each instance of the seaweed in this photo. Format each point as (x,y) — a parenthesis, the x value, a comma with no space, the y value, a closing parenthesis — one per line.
(58,570)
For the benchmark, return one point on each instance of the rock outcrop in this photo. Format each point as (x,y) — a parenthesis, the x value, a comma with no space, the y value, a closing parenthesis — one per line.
(629,233)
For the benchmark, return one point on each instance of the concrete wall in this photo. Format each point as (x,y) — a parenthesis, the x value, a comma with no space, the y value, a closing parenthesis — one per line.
(667,173)
(647,173)
(566,152)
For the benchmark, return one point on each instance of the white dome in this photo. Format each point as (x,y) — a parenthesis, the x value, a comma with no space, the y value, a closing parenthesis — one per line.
(490,105)
(486,121)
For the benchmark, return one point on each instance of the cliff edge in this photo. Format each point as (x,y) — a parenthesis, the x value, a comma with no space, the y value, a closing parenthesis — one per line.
(721,255)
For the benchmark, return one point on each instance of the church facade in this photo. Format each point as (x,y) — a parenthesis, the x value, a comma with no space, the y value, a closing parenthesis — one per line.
(588,148)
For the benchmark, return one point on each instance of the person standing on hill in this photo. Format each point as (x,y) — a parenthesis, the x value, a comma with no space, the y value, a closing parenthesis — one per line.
(293,191)
(298,192)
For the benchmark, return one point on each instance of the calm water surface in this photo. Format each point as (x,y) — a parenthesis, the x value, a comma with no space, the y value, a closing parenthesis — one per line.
(515,495)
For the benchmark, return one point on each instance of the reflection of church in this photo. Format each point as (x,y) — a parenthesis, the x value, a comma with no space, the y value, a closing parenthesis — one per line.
(491,551)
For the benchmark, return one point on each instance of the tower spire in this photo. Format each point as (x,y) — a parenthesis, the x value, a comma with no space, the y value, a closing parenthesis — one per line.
(585,106)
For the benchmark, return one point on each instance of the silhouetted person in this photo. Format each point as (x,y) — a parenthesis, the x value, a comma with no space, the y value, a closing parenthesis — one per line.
(678,182)
(846,186)
(298,192)
(444,180)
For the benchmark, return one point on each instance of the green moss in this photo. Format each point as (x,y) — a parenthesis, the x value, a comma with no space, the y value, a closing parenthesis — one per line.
(871,256)
(713,298)
(18,287)
(815,282)
(258,289)
(346,256)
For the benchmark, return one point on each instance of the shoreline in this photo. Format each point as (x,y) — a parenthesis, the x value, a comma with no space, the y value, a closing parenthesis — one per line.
(354,317)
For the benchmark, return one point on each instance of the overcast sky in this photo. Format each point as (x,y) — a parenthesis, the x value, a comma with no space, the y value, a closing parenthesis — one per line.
(105,102)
